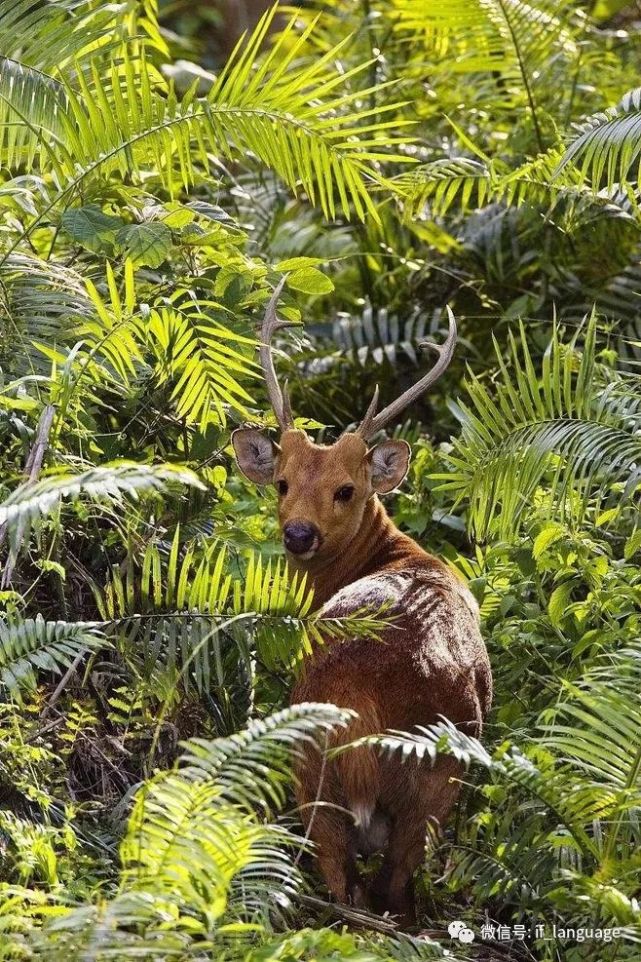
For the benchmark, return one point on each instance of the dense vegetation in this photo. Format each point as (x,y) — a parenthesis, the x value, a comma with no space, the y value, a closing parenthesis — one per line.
(392,157)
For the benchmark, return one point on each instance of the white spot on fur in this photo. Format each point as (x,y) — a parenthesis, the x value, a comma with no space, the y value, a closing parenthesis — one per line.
(469,600)
(362,815)
(387,588)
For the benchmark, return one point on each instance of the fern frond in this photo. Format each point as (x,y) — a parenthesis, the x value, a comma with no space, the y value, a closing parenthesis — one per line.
(575,790)
(133,924)
(43,302)
(109,483)
(28,645)
(195,833)
(595,730)
(607,149)
(184,839)
(544,782)
(427,742)
(514,853)
(238,763)
(564,420)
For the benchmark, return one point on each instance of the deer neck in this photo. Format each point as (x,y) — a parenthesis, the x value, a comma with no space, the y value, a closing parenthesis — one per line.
(378,544)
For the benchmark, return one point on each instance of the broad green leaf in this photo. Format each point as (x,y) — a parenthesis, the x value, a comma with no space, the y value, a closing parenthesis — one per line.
(148,245)
(632,544)
(91,227)
(298,263)
(558,602)
(550,533)
(310,281)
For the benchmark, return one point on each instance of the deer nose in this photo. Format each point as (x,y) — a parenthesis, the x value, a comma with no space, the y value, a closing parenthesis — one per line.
(300,536)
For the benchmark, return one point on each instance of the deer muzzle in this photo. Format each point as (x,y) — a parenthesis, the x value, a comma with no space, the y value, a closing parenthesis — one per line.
(301,538)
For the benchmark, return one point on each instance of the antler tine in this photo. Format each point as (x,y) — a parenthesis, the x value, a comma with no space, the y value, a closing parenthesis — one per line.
(271,323)
(372,423)
(365,428)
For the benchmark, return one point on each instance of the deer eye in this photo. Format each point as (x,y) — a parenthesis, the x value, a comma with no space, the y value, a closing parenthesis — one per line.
(282,487)
(345,493)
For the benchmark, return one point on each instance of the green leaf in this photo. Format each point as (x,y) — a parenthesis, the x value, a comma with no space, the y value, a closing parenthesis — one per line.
(632,544)
(550,533)
(310,281)
(148,245)
(558,602)
(297,263)
(90,227)
(604,9)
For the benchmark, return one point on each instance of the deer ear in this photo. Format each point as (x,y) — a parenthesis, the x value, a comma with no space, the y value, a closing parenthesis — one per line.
(255,454)
(389,462)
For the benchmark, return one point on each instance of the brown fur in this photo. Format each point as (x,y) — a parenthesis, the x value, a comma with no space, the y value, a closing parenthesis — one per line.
(430,662)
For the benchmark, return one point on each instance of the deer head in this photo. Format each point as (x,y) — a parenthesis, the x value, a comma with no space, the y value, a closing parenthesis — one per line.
(322,489)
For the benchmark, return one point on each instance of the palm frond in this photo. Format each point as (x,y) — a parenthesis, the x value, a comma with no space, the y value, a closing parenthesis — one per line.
(52,35)
(29,102)
(618,299)
(444,182)
(196,353)
(186,612)
(45,46)
(469,183)
(170,610)
(487,36)
(380,337)
(292,120)
(509,38)
(44,302)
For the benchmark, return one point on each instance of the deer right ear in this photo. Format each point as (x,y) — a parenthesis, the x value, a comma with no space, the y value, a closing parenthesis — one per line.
(389,461)
(255,454)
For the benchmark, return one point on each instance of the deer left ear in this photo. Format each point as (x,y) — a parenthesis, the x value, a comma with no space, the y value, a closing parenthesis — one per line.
(389,462)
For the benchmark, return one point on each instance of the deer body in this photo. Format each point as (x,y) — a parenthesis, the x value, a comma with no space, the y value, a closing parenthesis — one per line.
(430,661)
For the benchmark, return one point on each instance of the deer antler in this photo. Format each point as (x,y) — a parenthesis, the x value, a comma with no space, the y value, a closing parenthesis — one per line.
(373,422)
(271,323)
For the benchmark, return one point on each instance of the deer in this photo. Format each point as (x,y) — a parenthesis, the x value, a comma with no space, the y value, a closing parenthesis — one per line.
(428,663)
